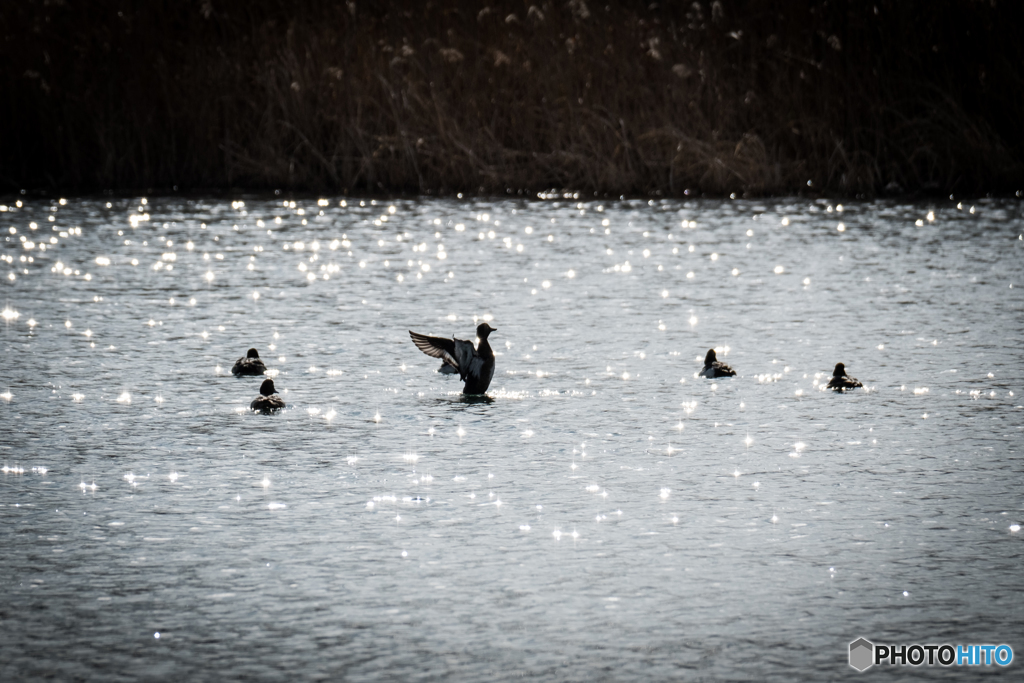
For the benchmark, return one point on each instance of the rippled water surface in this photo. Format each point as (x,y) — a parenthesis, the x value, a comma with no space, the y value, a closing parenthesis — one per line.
(605,515)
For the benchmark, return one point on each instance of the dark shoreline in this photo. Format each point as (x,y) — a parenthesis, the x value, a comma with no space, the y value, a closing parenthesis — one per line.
(552,195)
(759,98)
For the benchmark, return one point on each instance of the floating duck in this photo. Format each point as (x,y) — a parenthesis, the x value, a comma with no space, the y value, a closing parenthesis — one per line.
(250,365)
(713,368)
(841,381)
(268,401)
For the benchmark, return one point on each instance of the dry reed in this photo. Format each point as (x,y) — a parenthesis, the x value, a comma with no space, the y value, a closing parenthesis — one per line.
(756,96)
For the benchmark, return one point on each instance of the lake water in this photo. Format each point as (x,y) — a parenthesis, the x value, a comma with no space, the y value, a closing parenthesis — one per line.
(606,516)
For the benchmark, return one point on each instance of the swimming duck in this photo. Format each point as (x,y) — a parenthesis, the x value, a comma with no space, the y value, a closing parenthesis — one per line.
(268,401)
(474,365)
(250,365)
(841,381)
(713,368)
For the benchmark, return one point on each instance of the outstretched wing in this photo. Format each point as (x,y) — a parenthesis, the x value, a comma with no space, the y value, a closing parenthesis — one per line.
(456,352)
(438,347)
(465,354)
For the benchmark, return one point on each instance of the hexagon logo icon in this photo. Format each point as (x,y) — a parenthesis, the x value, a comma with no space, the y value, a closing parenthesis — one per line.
(862,654)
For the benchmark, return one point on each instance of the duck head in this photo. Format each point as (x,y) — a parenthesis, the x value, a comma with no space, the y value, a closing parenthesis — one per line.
(840,370)
(710,358)
(253,353)
(483,329)
(267,388)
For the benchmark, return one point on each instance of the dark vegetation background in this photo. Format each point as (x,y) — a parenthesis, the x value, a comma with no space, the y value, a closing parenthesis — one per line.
(745,96)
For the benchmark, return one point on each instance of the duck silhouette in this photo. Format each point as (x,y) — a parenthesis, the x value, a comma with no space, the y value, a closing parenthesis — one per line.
(251,364)
(475,365)
(713,368)
(268,401)
(841,381)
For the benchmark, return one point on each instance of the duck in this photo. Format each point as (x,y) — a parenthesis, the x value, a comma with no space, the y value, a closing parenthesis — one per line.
(251,364)
(841,381)
(268,401)
(713,368)
(475,365)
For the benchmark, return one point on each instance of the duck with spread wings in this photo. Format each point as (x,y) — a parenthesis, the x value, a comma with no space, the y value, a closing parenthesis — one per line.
(475,365)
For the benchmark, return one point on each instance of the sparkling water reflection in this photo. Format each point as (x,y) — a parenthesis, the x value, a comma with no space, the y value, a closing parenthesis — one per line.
(607,514)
